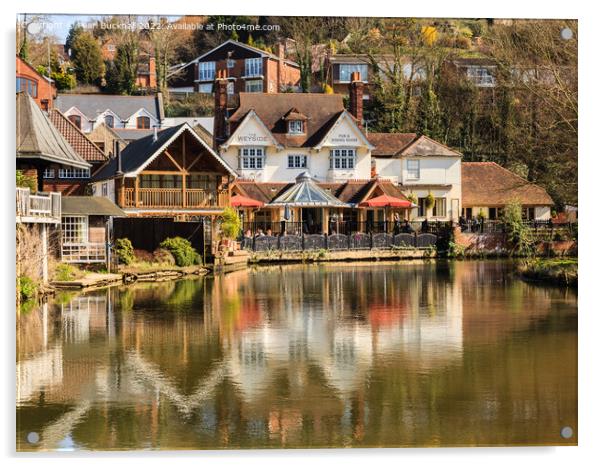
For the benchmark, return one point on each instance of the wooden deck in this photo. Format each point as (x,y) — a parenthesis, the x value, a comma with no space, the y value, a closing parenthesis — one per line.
(37,208)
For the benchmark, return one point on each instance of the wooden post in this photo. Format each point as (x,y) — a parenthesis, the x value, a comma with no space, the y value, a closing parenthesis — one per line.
(136,199)
(184,200)
(184,169)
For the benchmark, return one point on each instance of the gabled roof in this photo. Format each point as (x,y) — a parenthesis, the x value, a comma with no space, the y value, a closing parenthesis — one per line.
(124,106)
(138,154)
(76,139)
(90,205)
(344,115)
(38,138)
(389,144)
(424,146)
(231,42)
(487,184)
(322,111)
(306,193)
(251,114)
(294,114)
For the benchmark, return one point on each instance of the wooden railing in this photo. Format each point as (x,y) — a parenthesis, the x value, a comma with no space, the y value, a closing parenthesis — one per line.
(38,208)
(174,198)
(83,253)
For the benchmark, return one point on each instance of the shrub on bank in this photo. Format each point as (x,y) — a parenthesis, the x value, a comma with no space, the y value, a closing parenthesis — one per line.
(64,272)
(182,251)
(28,288)
(124,251)
(163,256)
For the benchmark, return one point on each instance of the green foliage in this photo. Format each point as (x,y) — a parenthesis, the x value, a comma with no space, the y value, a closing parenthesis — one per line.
(64,273)
(518,234)
(63,80)
(121,73)
(182,251)
(28,288)
(430,201)
(412,198)
(455,250)
(231,224)
(124,250)
(26,181)
(87,58)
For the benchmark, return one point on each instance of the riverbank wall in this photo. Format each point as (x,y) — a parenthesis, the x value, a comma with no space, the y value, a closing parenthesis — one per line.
(342,255)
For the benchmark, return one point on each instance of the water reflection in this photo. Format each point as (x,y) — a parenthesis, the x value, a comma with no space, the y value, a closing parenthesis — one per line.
(332,355)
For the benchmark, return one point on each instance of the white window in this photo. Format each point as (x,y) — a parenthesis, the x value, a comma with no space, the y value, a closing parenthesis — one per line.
(74,229)
(481,76)
(206,70)
(295,127)
(105,190)
(70,173)
(346,70)
(254,86)
(254,67)
(440,207)
(297,161)
(414,169)
(342,159)
(49,173)
(230,63)
(230,88)
(251,158)
(206,88)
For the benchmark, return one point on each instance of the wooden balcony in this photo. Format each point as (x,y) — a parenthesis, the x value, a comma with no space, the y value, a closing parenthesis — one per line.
(38,208)
(173,198)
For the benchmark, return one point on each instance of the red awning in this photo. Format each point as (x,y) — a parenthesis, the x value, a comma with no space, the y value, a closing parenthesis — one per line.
(239,200)
(386,201)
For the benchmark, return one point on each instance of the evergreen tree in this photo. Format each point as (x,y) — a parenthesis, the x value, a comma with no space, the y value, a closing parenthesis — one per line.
(87,59)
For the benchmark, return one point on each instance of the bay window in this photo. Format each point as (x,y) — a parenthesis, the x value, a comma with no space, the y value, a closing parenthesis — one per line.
(342,159)
(251,158)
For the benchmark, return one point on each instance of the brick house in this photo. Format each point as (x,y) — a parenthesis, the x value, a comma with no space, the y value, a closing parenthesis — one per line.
(39,87)
(247,68)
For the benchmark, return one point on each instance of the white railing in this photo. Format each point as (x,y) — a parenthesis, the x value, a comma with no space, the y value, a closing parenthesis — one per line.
(38,208)
(83,253)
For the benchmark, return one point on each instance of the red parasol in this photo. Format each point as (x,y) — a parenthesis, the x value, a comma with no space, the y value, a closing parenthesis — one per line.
(386,201)
(239,200)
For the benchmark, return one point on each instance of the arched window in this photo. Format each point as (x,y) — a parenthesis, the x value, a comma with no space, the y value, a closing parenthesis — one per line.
(143,122)
(76,120)
(110,121)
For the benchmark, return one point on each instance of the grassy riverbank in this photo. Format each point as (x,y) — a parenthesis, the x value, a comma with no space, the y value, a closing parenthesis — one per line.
(555,271)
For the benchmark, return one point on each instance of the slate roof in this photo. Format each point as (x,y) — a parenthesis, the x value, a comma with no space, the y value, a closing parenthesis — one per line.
(90,205)
(38,138)
(138,152)
(86,149)
(487,184)
(133,134)
(322,111)
(124,106)
(306,193)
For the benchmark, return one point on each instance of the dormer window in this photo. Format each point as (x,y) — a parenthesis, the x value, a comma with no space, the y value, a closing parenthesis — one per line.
(295,127)
(143,122)
(110,121)
(76,120)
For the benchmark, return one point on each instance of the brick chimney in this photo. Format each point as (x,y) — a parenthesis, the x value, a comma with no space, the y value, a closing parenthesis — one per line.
(356,96)
(152,73)
(221,108)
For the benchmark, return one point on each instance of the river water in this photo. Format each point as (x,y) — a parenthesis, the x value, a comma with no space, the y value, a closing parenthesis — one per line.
(333,355)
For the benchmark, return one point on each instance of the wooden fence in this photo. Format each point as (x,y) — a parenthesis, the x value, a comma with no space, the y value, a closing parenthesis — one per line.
(148,233)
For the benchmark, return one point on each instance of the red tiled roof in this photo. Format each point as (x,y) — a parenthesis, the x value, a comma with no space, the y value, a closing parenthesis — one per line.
(85,148)
(389,144)
(488,184)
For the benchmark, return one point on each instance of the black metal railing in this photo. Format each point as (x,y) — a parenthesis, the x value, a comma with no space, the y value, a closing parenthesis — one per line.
(344,227)
(497,226)
(338,241)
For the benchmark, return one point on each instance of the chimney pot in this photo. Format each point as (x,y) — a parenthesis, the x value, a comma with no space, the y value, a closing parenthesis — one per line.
(356,96)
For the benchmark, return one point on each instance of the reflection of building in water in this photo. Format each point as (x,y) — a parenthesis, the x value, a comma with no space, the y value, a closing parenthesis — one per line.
(42,371)
(85,314)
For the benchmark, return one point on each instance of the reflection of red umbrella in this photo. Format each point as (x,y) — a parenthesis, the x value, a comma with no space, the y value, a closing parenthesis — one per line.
(382,315)
(238,200)
(386,201)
